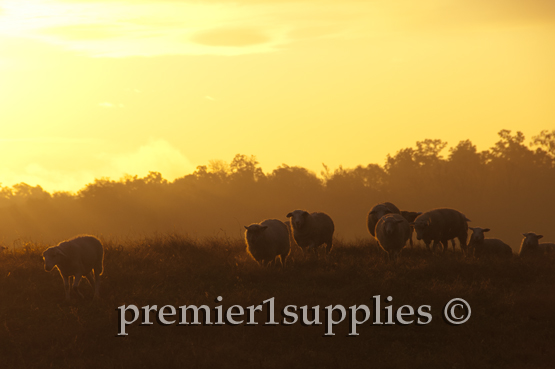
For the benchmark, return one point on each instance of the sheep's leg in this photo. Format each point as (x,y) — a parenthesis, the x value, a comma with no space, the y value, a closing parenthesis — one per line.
(445,244)
(76,282)
(92,280)
(462,239)
(329,245)
(66,286)
(282,260)
(427,243)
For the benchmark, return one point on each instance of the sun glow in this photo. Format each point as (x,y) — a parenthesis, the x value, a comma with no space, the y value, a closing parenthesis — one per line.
(221,77)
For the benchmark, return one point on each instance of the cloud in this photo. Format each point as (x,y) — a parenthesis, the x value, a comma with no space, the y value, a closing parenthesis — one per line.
(236,37)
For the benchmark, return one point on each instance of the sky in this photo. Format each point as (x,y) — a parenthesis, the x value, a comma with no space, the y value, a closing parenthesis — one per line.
(97,88)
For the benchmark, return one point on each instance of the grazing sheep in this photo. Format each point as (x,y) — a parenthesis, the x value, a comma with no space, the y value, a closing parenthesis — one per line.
(77,257)
(377,212)
(530,246)
(392,233)
(487,247)
(442,225)
(311,230)
(267,240)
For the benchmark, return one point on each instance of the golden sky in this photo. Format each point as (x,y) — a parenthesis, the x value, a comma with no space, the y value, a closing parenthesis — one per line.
(92,89)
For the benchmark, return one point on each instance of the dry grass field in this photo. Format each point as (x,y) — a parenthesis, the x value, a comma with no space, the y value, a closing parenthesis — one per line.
(512,324)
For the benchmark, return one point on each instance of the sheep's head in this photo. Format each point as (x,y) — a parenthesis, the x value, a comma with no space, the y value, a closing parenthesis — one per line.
(390,226)
(52,256)
(298,218)
(531,239)
(254,231)
(421,227)
(477,235)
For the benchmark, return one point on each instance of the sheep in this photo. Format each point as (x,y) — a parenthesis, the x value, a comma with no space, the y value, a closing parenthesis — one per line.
(311,230)
(77,257)
(392,233)
(530,246)
(441,225)
(377,212)
(487,247)
(267,240)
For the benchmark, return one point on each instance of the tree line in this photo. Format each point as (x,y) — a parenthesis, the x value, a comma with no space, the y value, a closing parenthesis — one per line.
(509,188)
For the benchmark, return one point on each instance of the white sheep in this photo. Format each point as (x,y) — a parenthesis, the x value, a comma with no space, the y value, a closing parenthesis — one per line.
(267,240)
(530,246)
(81,256)
(311,230)
(392,232)
(487,247)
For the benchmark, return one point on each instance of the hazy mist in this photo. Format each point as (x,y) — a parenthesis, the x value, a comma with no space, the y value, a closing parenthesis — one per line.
(508,188)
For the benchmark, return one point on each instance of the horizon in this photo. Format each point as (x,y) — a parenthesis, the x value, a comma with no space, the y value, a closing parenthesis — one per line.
(174,173)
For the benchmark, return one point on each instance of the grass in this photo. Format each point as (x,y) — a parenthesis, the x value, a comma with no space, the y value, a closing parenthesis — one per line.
(512,323)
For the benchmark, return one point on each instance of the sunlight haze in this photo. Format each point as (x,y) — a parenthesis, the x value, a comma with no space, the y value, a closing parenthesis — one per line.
(93,89)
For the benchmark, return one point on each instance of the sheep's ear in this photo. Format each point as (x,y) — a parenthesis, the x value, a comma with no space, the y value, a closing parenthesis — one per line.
(373,212)
(289,215)
(305,213)
(471,228)
(525,234)
(486,230)
(539,236)
(263,228)
(246,227)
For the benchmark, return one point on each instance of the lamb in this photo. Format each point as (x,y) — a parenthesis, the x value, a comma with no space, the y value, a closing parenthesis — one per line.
(487,247)
(441,225)
(392,233)
(311,230)
(82,256)
(377,212)
(530,246)
(267,240)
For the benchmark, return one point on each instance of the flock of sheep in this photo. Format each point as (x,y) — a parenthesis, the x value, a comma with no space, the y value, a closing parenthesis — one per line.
(392,229)
(83,256)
